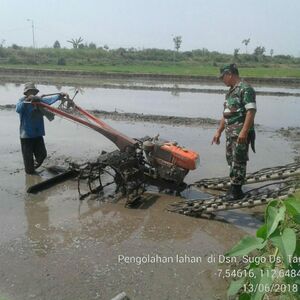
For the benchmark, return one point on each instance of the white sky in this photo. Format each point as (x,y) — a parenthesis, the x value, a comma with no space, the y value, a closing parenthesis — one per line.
(217,25)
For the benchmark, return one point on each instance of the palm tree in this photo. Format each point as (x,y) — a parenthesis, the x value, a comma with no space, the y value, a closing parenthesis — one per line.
(76,42)
(246,42)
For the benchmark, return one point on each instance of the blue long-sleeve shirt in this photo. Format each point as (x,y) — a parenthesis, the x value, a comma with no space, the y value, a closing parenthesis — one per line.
(31,119)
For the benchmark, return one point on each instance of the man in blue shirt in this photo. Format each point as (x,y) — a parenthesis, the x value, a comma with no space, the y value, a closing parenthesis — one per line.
(32,127)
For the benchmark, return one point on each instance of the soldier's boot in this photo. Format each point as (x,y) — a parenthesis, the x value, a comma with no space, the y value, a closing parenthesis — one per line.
(235,193)
(229,191)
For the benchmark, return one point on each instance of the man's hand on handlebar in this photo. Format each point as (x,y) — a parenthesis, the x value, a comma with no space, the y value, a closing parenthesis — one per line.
(64,95)
(32,98)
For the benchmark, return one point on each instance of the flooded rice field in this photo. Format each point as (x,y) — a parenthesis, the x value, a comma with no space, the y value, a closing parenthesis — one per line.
(54,246)
(273,111)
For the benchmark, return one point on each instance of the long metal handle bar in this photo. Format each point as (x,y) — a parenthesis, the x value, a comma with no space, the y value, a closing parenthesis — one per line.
(122,141)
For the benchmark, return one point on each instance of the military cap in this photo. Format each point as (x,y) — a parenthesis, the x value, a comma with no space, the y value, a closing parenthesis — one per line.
(229,68)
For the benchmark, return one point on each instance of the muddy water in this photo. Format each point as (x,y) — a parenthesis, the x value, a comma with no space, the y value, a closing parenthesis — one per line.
(74,250)
(71,249)
(273,111)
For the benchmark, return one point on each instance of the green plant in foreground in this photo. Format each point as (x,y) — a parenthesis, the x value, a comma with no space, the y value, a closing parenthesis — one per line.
(274,268)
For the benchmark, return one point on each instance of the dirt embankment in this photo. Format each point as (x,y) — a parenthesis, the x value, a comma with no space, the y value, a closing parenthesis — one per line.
(88,78)
(135,117)
(170,120)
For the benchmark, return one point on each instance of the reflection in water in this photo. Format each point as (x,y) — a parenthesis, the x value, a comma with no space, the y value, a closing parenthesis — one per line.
(74,224)
(37,215)
(76,88)
(93,221)
(58,87)
(175,91)
(43,236)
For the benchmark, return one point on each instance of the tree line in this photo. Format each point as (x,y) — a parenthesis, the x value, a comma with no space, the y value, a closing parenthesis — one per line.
(89,54)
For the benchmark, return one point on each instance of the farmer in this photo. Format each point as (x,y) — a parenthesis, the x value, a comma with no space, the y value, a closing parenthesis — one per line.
(32,126)
(238,122)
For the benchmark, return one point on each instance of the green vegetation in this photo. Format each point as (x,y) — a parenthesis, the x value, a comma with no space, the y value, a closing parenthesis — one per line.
(153,61)
(275,269)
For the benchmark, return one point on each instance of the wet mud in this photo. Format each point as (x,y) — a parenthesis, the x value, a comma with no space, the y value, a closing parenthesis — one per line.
(292,134)
(72,248)
(54,246)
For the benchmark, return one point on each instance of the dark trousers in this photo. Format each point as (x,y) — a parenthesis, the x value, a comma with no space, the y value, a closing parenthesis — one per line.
(33,148)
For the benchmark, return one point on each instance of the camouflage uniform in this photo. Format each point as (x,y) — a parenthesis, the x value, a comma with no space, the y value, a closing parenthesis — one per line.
(239,99)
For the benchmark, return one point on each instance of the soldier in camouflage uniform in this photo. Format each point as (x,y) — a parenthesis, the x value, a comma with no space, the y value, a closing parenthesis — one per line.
(238,122)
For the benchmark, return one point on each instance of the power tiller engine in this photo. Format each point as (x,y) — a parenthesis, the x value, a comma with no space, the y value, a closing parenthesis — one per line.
(168,160)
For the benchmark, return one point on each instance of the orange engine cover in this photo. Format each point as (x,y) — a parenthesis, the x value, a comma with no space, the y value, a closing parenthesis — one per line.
(182,157)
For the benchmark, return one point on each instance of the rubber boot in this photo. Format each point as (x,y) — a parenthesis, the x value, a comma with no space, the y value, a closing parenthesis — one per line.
(235,193)
(238,192)
(229,191)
